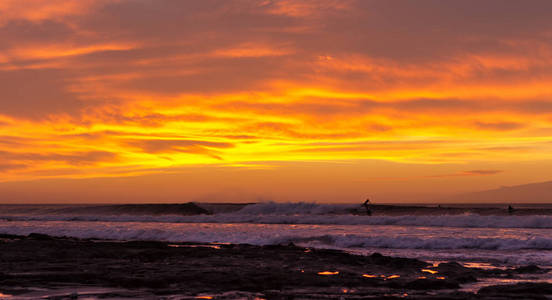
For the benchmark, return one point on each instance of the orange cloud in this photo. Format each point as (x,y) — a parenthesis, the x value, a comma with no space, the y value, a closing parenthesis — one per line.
(57,51)
(108,88)
(181,146)
(469,173)
(252,50)
(305,8)
(37,10)
(499,126)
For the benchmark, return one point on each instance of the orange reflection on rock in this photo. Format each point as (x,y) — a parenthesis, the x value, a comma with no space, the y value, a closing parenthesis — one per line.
(393,276)
(194,246)
(429,271)
(369,275)
(327,273)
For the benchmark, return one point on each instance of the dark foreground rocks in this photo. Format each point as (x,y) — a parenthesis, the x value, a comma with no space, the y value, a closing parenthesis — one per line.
(71,268)
(525,290)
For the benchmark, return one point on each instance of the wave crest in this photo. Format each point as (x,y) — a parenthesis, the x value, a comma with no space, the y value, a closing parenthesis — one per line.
(460,221)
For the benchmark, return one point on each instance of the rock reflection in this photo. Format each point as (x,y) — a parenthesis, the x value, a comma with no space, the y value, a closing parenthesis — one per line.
(328,273)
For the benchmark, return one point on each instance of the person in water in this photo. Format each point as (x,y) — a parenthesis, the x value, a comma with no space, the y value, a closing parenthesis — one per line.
(510,209)
(366,205)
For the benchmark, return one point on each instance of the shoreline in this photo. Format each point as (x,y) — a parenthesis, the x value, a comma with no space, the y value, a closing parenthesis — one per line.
(112,268)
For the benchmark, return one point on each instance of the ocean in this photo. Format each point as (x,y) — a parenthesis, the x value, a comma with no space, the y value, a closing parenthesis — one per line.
(480,235)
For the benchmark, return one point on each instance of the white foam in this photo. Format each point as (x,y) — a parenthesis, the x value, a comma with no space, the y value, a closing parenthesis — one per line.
(341,237)
(405,240)
(468,236)
(283,213)
(296,208)
(460,221)
(438,243)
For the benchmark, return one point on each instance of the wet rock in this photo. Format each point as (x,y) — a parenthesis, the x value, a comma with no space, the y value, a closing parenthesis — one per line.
(531,269)
(459,273)
(465,278)
(8,236)
(451,267)
(39,236)
(396,262)
(527,288)
(376,255)
(40,261)
(431,284)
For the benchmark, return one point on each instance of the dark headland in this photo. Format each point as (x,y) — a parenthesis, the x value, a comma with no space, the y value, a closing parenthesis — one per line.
(38,266)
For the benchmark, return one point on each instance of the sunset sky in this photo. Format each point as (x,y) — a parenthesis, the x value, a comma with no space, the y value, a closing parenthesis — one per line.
(322,100)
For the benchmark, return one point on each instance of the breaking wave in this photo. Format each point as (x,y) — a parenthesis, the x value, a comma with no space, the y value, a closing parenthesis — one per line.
(439,243)
(462,221)
(269,213)
(303,208)
(258,235)
(510,239)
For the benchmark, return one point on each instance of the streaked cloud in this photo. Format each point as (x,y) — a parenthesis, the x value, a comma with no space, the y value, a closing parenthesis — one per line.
(131,87)
(499,125)
(468,173)
(482,172)
(187,146)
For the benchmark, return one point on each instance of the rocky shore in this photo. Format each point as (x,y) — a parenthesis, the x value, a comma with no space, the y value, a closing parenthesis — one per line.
(37,266)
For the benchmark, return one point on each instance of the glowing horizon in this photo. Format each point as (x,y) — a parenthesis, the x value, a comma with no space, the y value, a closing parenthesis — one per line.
(412,93)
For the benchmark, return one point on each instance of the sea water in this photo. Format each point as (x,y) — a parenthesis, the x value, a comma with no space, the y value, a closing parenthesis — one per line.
(494,240)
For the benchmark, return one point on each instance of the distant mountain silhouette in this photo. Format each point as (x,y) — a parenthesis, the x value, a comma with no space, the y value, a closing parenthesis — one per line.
(527,193)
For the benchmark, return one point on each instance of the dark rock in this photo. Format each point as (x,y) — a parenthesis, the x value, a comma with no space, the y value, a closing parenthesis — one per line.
(396,262)
(41,261)
(531,288)
(40,236)
(290,246)
(450,266)
(376,255)
(9,236)
(531,269)
(465,278)
(453,269)
(431,284)
(146,244)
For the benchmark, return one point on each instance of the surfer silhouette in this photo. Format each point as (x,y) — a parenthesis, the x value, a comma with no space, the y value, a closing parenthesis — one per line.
(510,209)
(366,205)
